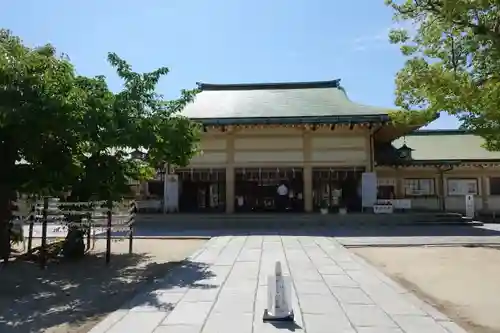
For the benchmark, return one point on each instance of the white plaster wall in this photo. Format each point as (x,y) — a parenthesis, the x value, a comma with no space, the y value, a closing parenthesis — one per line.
(457,203)
(347,157)
(209,158)
(210,143)
(494,203)
(425,203)
(268,143)
(340,150)
(268,157)
(336,142)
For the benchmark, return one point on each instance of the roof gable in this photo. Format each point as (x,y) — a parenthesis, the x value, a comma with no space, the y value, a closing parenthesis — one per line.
(276,100)
(446,145)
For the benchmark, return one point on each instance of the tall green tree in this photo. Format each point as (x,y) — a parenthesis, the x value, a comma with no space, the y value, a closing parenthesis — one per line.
(134,119)
(453,50)
(37,136)
(61,131)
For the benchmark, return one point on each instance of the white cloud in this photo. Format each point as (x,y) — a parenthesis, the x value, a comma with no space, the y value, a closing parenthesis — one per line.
(364,43)
(409,26)
(381,38)
(359,48)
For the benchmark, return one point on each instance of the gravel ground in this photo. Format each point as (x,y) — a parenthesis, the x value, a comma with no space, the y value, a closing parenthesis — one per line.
(462,282)
(73,297)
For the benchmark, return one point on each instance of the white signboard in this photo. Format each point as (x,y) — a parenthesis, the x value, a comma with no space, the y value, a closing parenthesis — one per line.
(403,204)
(462,186)
(171,193)
(368,189)
(470,206)
(383,209)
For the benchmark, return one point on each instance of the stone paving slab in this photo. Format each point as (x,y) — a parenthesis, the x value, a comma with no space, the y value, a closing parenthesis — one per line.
(223,288)
(419,241)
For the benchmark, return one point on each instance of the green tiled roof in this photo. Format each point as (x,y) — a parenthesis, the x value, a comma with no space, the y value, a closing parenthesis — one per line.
(446,145)
(299,102)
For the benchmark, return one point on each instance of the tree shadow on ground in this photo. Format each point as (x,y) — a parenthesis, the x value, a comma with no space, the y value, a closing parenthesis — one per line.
(67,293)
(146,229)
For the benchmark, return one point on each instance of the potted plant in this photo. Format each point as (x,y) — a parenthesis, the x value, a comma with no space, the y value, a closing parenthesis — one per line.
(324,207)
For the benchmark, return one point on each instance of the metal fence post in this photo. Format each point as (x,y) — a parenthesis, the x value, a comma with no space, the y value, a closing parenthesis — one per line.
(30,231)
(108,232)
(132,212)
(43,248)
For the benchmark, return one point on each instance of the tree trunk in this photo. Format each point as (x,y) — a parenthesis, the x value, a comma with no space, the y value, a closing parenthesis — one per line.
(7,179)
(5,217)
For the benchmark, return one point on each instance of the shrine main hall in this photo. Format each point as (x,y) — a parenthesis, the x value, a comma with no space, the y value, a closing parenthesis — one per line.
(311,138)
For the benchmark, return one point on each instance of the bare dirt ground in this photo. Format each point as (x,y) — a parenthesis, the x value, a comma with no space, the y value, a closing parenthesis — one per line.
(73,297)
(461,282)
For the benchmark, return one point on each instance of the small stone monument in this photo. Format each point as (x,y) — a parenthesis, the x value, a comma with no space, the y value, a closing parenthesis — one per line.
(279,300)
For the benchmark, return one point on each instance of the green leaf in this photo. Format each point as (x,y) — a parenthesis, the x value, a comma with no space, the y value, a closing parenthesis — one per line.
(71,131)
(453,61)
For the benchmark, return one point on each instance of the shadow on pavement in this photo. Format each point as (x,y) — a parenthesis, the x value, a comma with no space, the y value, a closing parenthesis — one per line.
(186,275)
(32,300)
(286,326)
(155,229)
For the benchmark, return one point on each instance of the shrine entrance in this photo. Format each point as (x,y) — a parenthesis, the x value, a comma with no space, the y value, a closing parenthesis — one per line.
(202,190)
(256,190)
(337,187)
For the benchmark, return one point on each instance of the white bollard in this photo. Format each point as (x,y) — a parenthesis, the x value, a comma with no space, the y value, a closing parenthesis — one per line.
(279,297)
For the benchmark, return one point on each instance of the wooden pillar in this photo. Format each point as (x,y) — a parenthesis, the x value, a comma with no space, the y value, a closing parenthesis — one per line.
(308,196)
(230,173)
(484,192)
(400,185)
(370,161)
(229,189)
(308,190)
(441,190)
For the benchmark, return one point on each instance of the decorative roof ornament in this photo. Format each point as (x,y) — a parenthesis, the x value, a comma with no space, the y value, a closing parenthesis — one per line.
(137,154)
(404,151)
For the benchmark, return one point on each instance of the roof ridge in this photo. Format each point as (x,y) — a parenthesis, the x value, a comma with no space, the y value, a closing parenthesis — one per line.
(271,85)
(447,131)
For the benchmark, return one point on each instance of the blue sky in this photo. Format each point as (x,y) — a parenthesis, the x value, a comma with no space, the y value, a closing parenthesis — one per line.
(223,41)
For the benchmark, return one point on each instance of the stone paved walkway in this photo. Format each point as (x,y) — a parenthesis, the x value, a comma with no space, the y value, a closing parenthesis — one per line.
(419,240)
(333,291)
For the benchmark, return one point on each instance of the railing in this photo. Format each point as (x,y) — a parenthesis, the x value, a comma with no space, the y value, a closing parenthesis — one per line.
(95,217)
